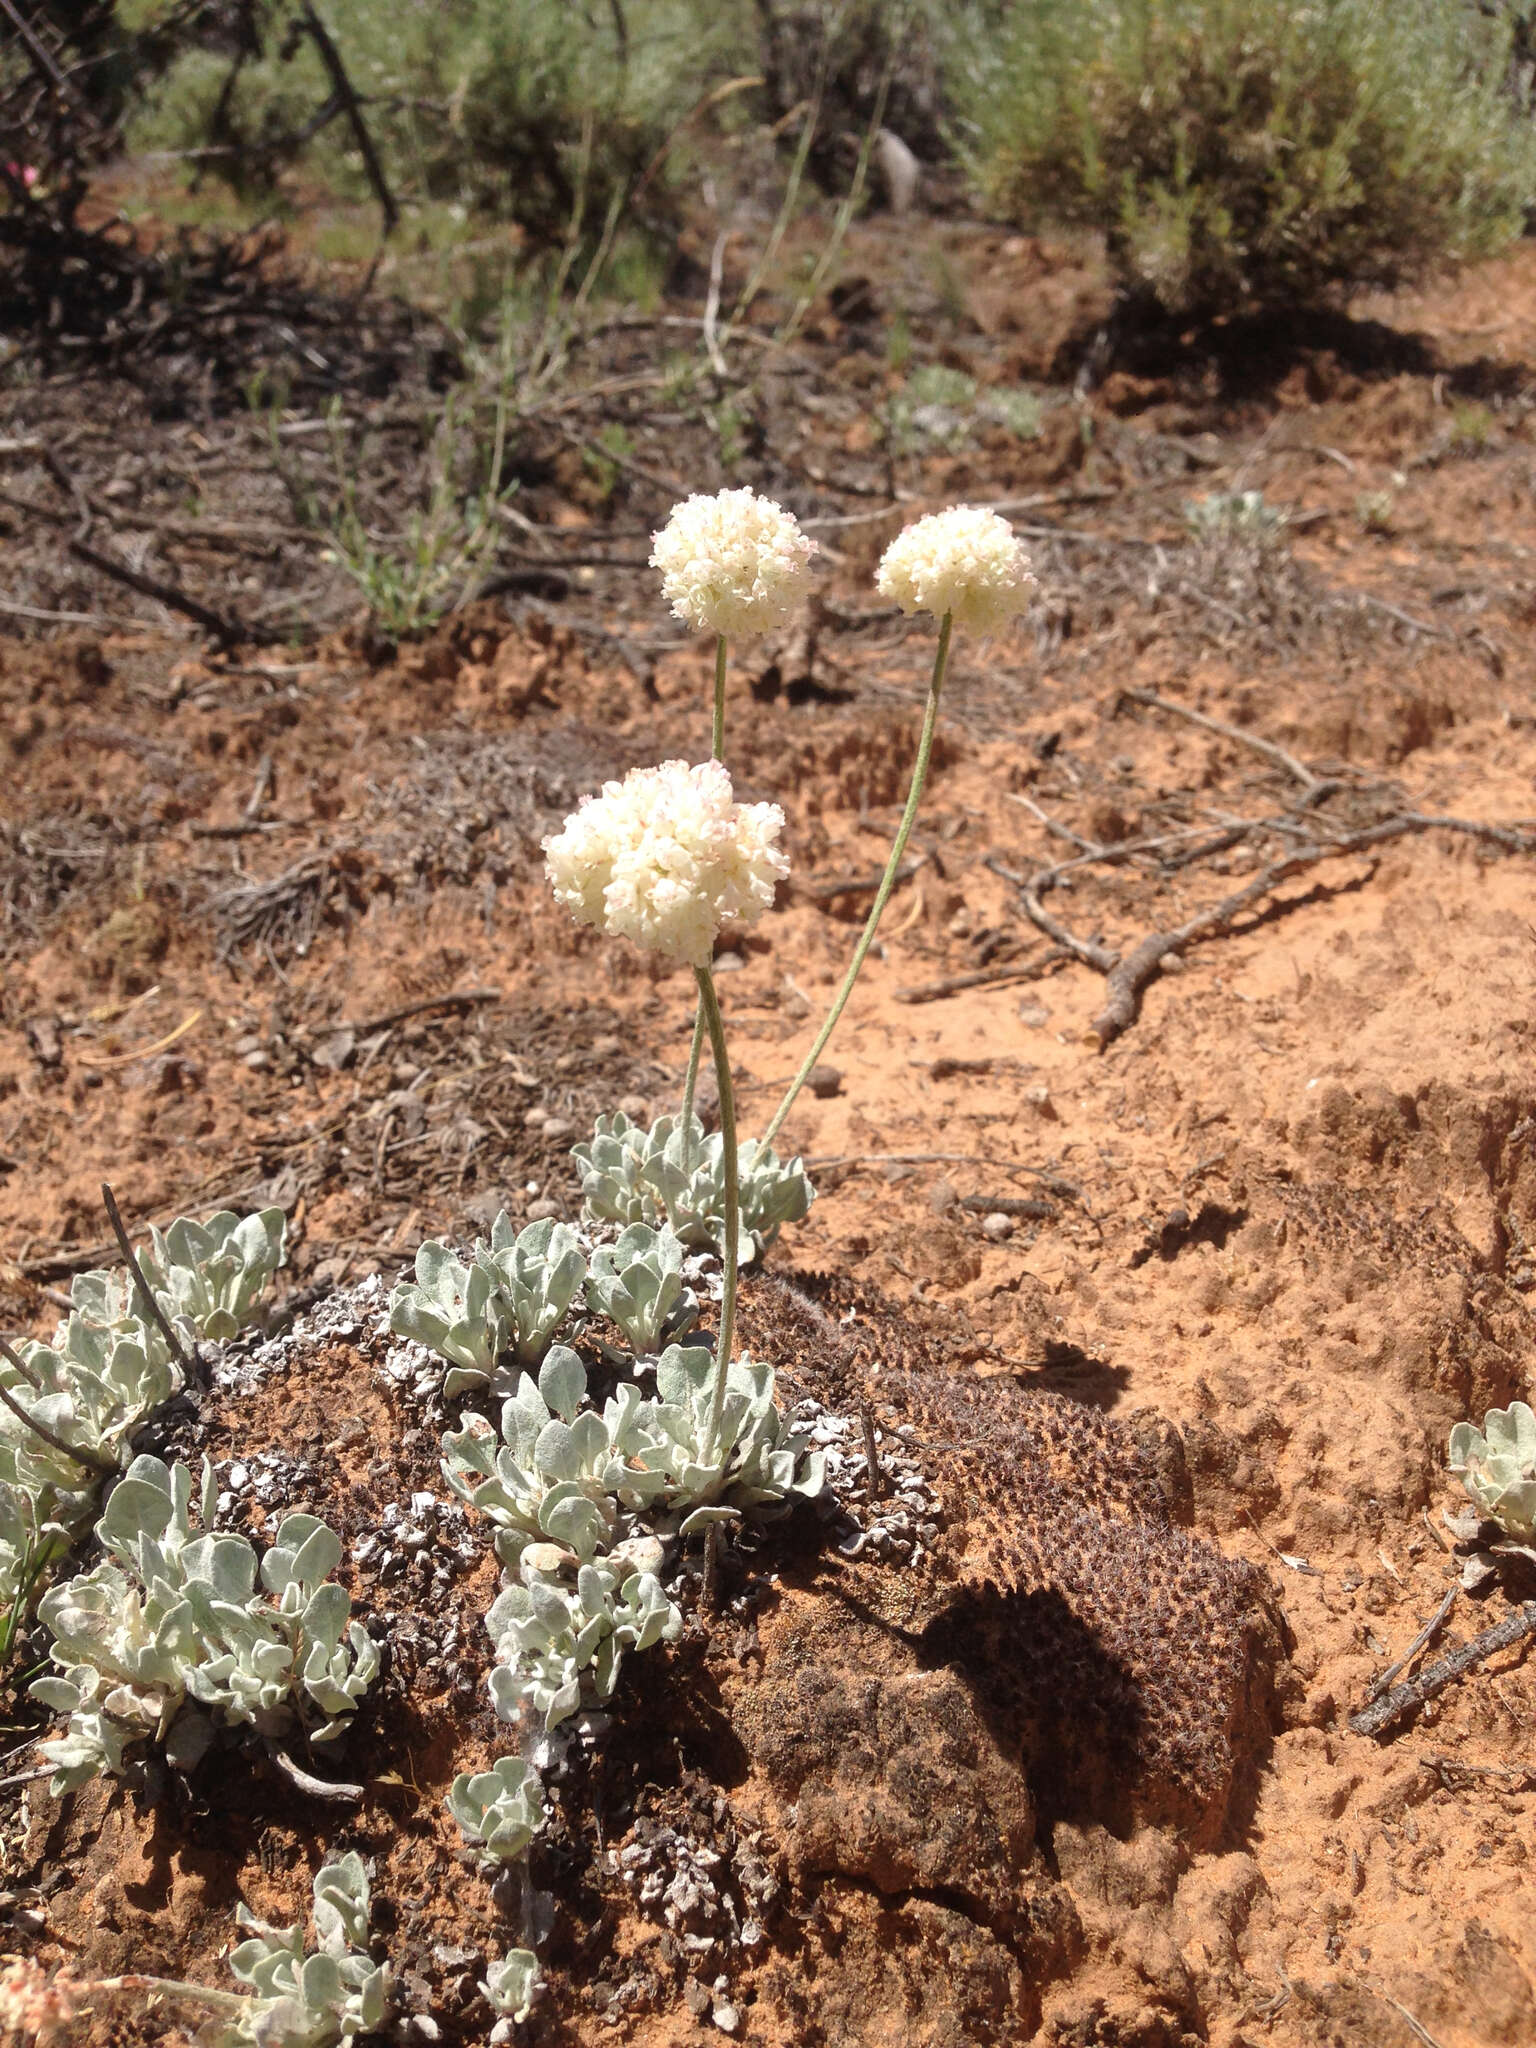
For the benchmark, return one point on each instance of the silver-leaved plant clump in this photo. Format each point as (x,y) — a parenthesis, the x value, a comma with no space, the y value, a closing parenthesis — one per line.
(508,1297)
(499,1811)
(1497,1466)
(318,1998)
(558,1648)
(510,1987)
(171,1639)
(560,1471)
(639,1284)
(72,1407)
(674,1172)
(210,1276)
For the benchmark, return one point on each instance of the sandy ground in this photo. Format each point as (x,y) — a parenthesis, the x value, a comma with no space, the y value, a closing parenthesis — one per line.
(1278,1224)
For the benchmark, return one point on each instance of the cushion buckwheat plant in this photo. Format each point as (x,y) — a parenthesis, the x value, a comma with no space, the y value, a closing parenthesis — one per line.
(965,562)
(733,564)
(666,858)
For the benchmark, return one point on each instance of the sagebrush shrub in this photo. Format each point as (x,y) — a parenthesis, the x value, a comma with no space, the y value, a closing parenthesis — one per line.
(1251,154)
(518,108)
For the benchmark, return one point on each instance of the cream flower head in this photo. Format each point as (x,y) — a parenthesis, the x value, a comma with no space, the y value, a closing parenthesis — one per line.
(666,857)
(734,563)
(965,561)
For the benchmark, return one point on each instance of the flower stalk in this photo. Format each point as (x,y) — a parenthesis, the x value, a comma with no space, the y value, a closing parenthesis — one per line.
(696,1050)
(887,880)
(709,1006)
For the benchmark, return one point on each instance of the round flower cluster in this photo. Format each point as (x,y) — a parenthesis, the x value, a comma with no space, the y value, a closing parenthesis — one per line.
(666,857)
(965,561)
(734,563)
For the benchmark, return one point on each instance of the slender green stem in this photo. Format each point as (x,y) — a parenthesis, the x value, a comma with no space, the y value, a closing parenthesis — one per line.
(717,729)
(887,882)
(696,1050)
(709,1003)
(35,1560)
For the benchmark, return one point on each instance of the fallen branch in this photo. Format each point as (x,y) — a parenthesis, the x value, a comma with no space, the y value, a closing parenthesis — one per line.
(981,977)
(1065,1188)
(229,632)
(1434,1678)
(1271,752)
(465,999)
(1129,973)
(1425,1635)
(1089,951)
(854,885)
(344,90)
(20,1778)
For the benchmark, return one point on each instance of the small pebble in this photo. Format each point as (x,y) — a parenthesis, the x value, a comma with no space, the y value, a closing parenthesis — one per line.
(997,1226)
(543,1210)
(729,963)
(824,1081)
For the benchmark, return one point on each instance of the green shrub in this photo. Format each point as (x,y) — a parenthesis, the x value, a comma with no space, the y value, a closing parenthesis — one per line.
(1250,154)
(516,108)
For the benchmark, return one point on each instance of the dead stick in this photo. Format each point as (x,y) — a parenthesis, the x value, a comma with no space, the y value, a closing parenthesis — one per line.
(1104,958)
(1268,748)
(342,85)
(1130,975)
(983,977)
(709,1592)
(1090,847)
(1425,1634)
(463,1000)
(856,885)
(228,631)
(145,1292)
(15,1359)
(46,69)
(21,1778)
(1058,1186)
(1413,1692)
(872,1468)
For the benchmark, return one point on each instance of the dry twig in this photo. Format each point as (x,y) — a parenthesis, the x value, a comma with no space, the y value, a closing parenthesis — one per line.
(1434,1678)
(145,1292)
(1129,973)
(1425,1635)
(1271,752)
